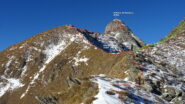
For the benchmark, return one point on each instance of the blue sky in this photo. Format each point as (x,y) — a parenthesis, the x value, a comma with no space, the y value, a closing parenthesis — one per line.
(151,21)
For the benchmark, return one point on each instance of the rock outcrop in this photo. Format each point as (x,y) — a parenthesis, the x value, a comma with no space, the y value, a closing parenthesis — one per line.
(123,34)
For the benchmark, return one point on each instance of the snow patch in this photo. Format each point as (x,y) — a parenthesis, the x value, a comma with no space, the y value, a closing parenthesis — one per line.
(22,46)
(9,85)
(102,96)
(134,94)
(24,69)
(8,64)
(53,50)
(79,60)
(13,48)
(126,79)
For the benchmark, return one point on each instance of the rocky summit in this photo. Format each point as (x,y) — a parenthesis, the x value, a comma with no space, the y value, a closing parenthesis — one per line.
(69,65)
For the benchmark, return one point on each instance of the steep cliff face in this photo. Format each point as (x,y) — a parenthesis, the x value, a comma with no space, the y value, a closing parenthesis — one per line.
(68,65)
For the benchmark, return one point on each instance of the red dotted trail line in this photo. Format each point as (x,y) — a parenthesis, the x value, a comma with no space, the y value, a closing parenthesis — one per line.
(127,85)
(133,62)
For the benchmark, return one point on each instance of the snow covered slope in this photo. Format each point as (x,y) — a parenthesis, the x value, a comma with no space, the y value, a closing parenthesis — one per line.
(118,91)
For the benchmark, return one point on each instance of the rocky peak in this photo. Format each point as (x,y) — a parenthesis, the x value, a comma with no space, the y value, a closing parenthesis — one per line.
(121,32)
(115,26)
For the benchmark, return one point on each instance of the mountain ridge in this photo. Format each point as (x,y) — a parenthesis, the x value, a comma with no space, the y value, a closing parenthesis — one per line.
(66,65)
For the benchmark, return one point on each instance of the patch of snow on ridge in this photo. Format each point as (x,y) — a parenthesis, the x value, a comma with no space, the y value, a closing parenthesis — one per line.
(78,60)
(13,48)
(53,50)
(103,97)
(11,84)
(24,70)
(22,46)
(108,41)
(117,35)
(8,64)
(133,93)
